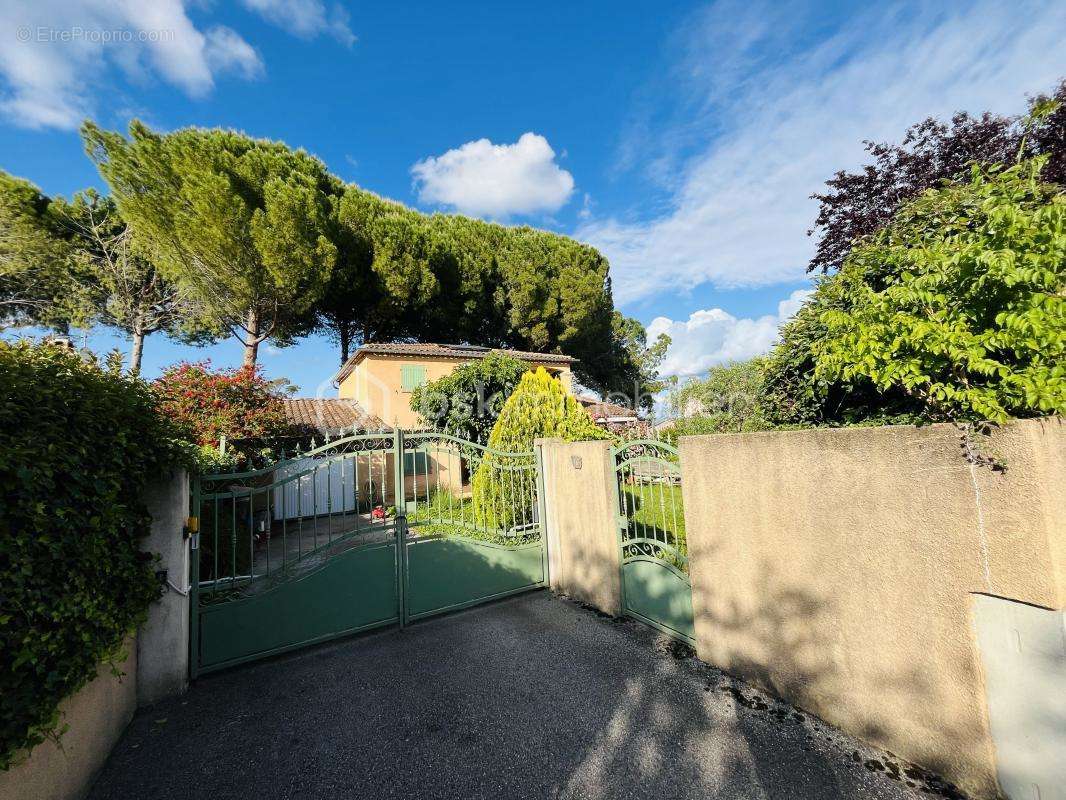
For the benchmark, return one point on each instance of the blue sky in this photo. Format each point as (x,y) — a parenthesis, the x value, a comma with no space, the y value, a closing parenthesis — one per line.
(683,140)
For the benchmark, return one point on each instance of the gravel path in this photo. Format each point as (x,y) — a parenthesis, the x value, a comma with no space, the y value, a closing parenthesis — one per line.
(532,697)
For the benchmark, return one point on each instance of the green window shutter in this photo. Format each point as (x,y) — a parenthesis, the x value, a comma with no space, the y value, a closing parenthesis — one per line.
(411,377)
(416,463)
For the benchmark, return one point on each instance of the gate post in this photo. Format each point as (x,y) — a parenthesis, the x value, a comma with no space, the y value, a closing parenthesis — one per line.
(542,512)
(399,503)
(193,532)
(164,638)
(582,521)
(621,525)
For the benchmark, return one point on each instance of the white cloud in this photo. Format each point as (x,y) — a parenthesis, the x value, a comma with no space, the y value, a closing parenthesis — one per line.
(226,51)
(713,336)
(764,121)
(57,54)
(306,18)
(495,180)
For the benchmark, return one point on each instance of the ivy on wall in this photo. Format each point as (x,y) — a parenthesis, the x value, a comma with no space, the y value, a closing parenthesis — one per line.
(78,445)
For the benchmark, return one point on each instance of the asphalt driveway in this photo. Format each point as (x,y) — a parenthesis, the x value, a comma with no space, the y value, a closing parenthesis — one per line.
(532,697)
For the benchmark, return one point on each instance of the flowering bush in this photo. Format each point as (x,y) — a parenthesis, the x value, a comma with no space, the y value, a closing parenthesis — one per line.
(206,405)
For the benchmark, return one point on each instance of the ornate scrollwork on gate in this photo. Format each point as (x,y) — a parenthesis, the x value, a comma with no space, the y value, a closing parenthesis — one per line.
(650,511)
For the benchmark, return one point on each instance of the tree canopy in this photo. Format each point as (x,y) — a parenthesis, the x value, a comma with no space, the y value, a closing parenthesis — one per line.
(858,204)
(260,240)
(241,223)
(36,266)
(961,301)
(445,277)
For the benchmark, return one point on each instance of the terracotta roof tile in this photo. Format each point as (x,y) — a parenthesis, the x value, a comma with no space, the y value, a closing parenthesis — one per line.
(598,409)
(330,415)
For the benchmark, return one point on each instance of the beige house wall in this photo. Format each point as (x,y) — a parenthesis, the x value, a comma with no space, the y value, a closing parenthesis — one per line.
(374,383)
(835,568)
(96,716)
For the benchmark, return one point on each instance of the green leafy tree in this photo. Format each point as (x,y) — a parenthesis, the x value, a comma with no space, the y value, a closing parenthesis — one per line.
(793,394)
(393,279)
(450,278)
(634,381)
(539,407)
(345,309)
(966,310)
(241,224)
(117,285)
(36,268)
(726,401)
(858,204)
(466,402)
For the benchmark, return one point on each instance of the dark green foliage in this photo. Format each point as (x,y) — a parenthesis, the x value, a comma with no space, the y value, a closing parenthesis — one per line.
(449,278)
(961,301)
(466,402)
(634,377)
(36,259)
(792,395)
(241,225)
(78,445)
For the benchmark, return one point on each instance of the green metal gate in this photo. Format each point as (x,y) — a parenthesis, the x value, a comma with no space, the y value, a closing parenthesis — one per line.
(365,531)
(651,534)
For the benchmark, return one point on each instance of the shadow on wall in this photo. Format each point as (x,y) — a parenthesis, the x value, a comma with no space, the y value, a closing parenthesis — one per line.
(787,643)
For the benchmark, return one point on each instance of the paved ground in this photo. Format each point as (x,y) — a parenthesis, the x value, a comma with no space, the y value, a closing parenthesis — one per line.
(532,697)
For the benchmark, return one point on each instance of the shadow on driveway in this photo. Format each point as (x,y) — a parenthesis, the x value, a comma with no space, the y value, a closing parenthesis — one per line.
(531,697)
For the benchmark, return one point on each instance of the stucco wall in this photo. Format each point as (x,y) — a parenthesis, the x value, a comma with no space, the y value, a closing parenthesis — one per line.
(97,716)
(583,553)
(163,640)
(834,567)
(375,385)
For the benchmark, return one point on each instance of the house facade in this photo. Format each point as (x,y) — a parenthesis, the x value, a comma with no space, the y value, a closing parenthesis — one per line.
(379,378)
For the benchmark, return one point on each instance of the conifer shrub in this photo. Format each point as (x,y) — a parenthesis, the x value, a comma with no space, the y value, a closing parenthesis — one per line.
(504,487)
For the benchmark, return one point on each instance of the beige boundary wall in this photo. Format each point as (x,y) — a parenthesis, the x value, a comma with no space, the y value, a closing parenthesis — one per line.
(837,567)
(96,716)
(584,561)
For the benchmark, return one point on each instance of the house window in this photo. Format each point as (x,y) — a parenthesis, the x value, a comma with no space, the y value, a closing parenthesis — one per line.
(416,463)
(411,377)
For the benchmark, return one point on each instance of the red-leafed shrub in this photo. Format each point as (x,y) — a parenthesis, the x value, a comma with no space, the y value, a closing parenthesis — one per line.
(207,405)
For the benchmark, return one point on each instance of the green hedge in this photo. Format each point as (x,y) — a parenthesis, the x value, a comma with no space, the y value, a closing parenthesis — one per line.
(78,444)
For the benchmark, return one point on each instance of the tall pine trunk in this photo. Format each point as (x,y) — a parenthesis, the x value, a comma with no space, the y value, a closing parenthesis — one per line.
(345,333)
(251,343)
(136,351)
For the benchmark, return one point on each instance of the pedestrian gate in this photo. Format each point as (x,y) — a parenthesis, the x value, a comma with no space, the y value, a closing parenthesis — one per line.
(651,532)
(365,531)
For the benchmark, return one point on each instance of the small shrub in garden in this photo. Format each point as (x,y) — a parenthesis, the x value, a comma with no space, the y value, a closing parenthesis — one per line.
(78,445)
(539,407)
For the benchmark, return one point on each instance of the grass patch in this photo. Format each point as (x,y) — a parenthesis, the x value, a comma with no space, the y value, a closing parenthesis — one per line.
(447,514)
(656,511)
